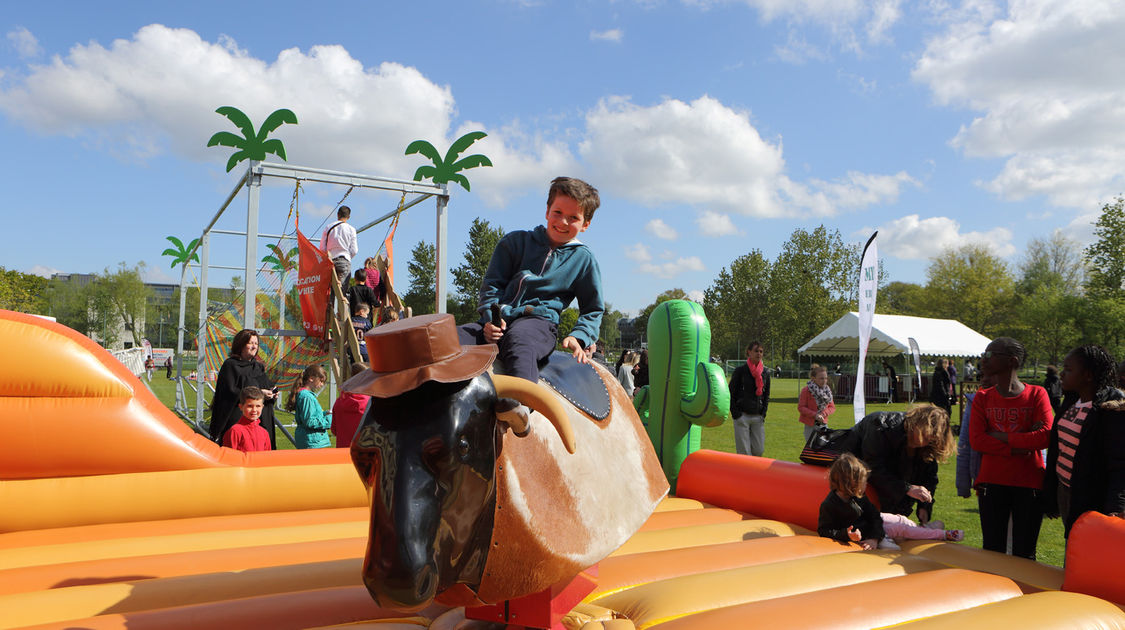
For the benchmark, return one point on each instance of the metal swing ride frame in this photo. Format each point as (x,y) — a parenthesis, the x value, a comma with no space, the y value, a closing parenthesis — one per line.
(252,180)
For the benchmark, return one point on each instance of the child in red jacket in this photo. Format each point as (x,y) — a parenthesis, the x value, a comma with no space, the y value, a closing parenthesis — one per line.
(247,434)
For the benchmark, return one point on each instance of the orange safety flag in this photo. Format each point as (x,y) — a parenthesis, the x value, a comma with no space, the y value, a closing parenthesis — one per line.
(313,275)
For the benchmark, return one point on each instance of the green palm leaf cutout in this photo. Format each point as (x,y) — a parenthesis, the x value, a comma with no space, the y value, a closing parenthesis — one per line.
(179,252)
(448,170)
(281,260)
(252,146)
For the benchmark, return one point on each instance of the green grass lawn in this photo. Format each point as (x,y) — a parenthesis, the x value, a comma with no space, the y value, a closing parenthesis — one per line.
(784,440)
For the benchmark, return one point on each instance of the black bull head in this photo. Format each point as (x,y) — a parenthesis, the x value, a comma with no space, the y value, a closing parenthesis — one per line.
(427,458)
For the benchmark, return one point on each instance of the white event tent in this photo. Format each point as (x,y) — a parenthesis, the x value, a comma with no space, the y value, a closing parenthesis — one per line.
(889,335)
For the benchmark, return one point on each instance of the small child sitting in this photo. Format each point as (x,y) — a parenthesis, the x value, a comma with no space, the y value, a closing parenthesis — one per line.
(847,515)
(361,322)
(247,434)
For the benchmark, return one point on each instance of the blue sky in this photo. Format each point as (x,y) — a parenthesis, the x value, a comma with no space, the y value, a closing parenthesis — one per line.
(711,127)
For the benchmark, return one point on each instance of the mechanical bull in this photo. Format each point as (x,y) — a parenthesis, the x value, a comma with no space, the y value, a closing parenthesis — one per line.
(474,503)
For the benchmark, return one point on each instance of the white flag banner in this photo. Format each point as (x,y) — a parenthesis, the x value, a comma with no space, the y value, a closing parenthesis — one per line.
(916,355)
(868,286)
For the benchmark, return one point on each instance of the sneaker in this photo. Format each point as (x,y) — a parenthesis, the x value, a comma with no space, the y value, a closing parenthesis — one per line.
(955,535)
(935,525)
(889,544)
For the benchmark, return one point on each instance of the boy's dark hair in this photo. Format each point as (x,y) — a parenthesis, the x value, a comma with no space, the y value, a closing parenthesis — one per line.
(848,475)
(250,393)
(578,190)
(343,213)
(754,344)
(361,275)
(362,306)
(1098,363)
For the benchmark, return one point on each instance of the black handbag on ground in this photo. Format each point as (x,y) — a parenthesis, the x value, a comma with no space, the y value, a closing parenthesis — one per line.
(825,445)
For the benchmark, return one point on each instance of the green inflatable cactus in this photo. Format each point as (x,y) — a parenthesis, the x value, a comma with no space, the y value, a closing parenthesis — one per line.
(685,391)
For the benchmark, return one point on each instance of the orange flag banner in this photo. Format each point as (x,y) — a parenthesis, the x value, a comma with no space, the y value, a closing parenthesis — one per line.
(313,275)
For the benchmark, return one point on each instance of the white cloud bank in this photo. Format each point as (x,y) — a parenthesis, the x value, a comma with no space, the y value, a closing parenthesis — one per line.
(157,92)
(911,237)
(26,45)
(709,155)
(660,229)
(1044,76)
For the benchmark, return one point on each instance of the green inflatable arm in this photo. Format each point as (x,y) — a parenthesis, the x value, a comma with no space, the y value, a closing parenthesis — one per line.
(685,391)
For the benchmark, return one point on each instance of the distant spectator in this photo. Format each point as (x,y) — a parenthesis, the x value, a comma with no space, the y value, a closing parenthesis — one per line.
(340,244)
(625,371)
(1010,425)
(815,402)
(640,371)
(312,423)
(168,367)
(1053,385)
(241,369)
(892,382)
(749,401)
(348,411)
(1086,450)
(941,389)
(150,367)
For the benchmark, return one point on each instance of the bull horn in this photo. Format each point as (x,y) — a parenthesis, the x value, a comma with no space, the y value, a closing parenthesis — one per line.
(542,400)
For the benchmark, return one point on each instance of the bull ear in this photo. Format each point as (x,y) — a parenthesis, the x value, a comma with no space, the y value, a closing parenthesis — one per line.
(513,413)
(541,399)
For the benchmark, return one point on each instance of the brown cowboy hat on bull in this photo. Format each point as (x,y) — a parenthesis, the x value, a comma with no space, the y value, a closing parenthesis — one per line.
(407,353)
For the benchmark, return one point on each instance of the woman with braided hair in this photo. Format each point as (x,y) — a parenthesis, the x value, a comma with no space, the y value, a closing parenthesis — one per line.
(1086,451)
(1010,424)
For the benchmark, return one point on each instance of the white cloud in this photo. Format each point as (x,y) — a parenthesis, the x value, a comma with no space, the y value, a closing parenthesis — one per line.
(716,224)
(707,154)
(157,92)
(638,252)
(695,295)
(847,22)
(672,268)
(157,275)
(911,237)
(43,270)
(611,35)
(1038,74)
(660,229)
(26,45)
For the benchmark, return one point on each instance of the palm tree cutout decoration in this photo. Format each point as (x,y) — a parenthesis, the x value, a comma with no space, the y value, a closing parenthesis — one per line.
(179,253)
(448,170)
(252,146)
(281,262)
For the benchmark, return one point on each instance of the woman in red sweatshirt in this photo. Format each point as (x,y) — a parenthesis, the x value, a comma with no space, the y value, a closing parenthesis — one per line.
(1010,424)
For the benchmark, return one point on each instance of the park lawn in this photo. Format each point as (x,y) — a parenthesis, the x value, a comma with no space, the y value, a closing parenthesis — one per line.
(784,439)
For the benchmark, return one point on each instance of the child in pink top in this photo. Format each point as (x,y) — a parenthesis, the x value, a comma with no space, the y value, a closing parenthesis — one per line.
(247,434)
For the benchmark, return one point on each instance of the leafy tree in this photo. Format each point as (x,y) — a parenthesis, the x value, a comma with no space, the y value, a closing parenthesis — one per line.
(973,286)
(251,146)
(23,292)
(70,301)
(737,304)
(123,295)
(812,283)
(1105,257)
(642,319)
(609,333)
(423,282)
(1056,259)
(179,253)
(903,298)
(568,319)
(469,275)
(448,170)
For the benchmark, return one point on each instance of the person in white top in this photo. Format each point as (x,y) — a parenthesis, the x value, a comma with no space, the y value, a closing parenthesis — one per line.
(340,243)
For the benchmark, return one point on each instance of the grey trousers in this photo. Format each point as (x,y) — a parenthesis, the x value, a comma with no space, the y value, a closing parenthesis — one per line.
(750,435)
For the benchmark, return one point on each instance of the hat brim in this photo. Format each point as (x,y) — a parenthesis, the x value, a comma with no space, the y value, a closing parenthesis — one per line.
(469,363)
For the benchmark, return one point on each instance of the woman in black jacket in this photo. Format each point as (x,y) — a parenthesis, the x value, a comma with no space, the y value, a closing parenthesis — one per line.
(903,451)
(1093,478)
(241,369)
(941,386)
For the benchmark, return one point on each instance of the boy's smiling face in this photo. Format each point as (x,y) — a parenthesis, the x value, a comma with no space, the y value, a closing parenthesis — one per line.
(252,408)
(565,220)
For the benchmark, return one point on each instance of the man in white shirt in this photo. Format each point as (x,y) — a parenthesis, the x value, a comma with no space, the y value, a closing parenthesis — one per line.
(339,242)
